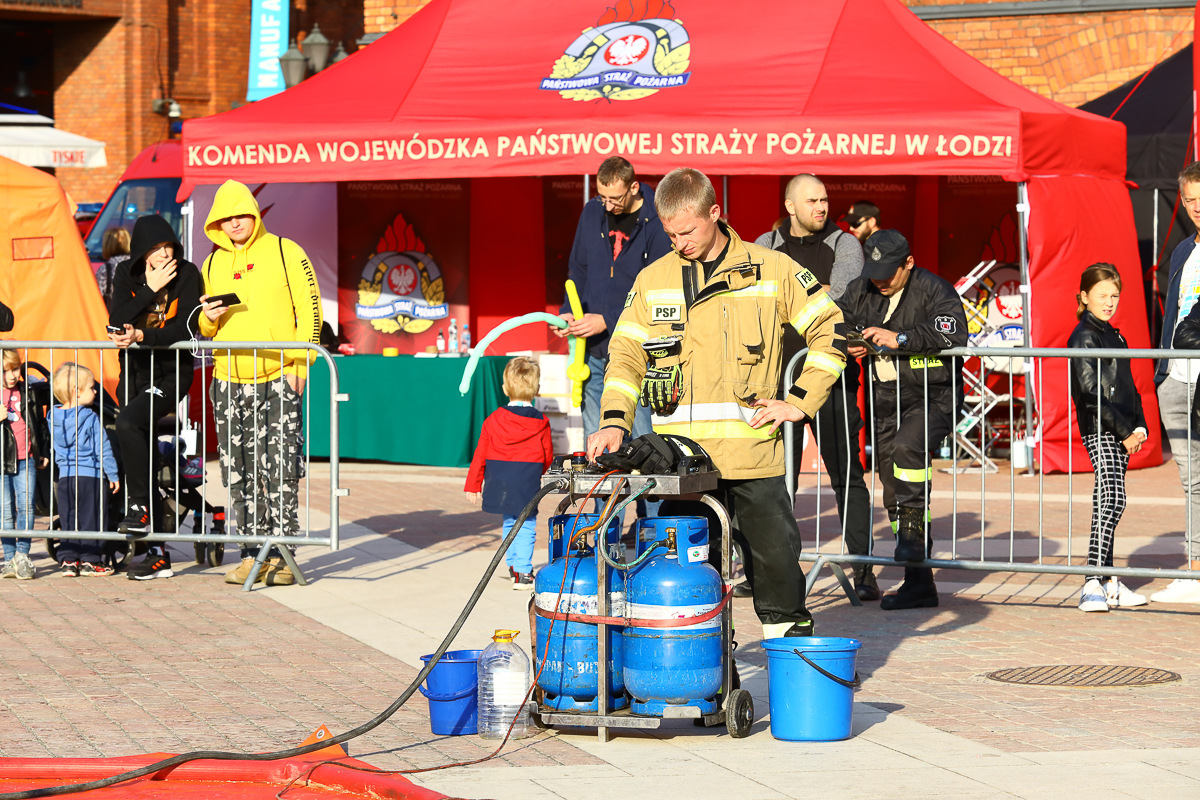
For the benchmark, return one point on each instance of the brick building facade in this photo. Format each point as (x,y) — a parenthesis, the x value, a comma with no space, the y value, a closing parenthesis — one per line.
(1069,57)
(97,66)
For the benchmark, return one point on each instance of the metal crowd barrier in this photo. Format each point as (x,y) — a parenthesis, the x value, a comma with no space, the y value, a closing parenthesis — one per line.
(174,494)
(1032,363)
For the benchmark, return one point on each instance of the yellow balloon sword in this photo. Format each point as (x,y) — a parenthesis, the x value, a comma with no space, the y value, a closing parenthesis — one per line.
(577,370)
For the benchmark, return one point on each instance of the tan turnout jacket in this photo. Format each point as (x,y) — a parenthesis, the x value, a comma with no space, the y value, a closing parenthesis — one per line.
(732,350)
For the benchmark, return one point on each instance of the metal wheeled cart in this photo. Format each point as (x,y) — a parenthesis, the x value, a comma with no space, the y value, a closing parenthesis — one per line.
(735,708)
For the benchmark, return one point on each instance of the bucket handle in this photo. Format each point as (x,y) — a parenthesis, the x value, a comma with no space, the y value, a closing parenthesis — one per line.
(854,684)
(459,695)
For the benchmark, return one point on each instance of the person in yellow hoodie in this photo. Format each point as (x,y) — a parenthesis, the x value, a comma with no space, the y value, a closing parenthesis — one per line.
(256,393)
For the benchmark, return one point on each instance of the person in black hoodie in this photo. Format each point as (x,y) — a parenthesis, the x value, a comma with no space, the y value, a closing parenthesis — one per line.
(154,296)
(1111,423)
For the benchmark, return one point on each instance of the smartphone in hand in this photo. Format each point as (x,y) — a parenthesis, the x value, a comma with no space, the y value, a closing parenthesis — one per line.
(855,339)
(230,299)
(114,329)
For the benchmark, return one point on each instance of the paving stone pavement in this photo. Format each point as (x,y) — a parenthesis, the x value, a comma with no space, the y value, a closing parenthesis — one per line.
(110,667)
(113,667)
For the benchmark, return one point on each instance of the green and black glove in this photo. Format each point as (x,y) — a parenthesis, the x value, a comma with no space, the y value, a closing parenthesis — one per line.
(662,388)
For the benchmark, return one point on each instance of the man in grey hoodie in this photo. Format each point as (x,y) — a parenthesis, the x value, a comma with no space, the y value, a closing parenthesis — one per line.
(835,258)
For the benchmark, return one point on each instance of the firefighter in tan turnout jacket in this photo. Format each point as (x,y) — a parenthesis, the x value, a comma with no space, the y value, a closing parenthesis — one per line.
(700,342)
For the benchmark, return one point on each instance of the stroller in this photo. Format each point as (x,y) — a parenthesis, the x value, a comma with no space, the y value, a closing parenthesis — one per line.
(172,460)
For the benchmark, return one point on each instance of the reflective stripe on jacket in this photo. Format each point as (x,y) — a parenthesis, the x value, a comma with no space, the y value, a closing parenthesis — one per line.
(732,350)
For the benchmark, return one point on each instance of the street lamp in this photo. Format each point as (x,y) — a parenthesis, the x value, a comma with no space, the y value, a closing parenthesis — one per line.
(316,48)
(340,54)
(294,66)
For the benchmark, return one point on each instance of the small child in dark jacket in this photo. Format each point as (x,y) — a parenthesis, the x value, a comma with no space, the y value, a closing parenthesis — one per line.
(83,456)
(1112,424)
(514,450)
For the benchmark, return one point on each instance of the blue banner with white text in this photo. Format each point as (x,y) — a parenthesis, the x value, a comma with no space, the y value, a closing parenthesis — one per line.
(268,41)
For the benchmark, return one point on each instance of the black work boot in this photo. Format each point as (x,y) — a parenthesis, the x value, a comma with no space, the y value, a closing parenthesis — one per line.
(801,629)
(917,591)
(910,535)
(864,583)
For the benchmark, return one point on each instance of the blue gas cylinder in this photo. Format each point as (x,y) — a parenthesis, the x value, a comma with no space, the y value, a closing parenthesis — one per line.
(674,666)
(569,678)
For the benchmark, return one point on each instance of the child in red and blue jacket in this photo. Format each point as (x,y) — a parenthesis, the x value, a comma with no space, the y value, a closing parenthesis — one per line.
(514,450)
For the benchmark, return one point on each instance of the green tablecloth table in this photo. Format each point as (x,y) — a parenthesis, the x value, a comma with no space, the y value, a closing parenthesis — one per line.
(405,409)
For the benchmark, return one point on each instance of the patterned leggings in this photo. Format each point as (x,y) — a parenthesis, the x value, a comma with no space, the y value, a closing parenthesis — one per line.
(260,437)
(1110,461)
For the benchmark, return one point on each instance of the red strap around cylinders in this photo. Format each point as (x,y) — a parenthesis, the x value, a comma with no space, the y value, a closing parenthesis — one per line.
(637,623)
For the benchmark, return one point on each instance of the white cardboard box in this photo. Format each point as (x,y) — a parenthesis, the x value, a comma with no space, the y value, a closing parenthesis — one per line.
(554,375)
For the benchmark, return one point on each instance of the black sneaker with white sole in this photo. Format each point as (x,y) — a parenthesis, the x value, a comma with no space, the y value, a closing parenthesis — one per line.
(137,520)
(151,567)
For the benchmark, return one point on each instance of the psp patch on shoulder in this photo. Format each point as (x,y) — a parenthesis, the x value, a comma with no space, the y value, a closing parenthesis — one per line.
(806,278)
(945,325)
(666,313)
(629,299)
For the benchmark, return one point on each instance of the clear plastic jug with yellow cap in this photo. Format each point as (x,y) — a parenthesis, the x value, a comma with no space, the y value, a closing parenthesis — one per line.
(503,684)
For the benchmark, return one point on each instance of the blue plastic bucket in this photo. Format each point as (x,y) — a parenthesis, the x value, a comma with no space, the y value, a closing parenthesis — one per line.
(808,705)
(453,693)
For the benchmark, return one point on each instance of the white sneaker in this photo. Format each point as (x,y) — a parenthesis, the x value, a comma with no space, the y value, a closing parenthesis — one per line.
(1092,598)
(1121,596)
(1179,591)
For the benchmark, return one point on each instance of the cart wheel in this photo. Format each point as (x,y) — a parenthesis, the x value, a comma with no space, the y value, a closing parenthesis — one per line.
(739,713)
(537,721)
(216,554)
(200,554)
(52,549)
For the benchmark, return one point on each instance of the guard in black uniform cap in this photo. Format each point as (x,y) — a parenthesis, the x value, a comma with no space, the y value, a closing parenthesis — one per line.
(908,315)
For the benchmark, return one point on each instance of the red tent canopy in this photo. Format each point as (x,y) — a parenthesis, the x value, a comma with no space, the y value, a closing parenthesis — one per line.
(847,87)
(839,86)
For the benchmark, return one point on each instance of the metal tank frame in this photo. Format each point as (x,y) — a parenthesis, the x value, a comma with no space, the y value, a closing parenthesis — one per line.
(736,707)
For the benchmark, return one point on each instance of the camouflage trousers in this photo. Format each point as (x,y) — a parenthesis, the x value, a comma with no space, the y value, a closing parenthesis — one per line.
(260,436)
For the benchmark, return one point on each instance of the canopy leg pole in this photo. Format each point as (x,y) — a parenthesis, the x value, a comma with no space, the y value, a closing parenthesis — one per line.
(1027,365)
(586,187)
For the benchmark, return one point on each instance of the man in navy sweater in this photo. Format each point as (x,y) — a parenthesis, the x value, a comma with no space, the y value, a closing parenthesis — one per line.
(618,236)
(1176,379)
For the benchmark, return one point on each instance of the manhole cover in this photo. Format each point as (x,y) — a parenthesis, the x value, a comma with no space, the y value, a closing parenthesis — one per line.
(1083,675)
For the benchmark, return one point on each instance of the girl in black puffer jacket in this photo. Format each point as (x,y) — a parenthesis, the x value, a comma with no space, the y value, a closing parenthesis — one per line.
(1111,422)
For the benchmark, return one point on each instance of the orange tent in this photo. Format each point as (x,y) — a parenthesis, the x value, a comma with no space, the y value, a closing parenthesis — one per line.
(45,276)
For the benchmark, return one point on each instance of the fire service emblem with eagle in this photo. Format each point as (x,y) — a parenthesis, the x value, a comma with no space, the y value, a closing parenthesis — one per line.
(630,54)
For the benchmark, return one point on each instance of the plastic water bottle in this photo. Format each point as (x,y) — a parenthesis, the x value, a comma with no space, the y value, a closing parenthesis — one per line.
(944,450)
(441,342)
(452,344)
(503,685)
(465,341)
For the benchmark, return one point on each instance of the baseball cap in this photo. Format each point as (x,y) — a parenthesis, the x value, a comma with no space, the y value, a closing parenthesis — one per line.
(860,211)
(883,252)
